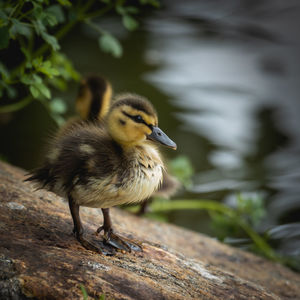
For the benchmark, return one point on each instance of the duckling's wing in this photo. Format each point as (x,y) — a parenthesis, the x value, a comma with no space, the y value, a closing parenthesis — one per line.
(85,152)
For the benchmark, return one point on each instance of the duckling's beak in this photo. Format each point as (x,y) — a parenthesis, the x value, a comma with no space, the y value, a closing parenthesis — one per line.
(159,136)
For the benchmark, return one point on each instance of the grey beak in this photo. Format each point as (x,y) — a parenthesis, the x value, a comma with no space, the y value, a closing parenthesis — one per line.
(159,136)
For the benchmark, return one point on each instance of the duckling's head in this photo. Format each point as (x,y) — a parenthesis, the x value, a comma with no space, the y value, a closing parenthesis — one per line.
(93,99)
(132,120)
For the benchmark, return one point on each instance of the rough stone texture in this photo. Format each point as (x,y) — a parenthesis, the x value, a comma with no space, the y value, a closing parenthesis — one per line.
(40,258)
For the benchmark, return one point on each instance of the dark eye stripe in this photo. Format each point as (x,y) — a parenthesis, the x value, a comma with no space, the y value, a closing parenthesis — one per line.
(137,119)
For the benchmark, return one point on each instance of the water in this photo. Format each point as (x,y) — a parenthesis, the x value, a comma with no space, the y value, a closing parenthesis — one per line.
(224,76)
(233,71)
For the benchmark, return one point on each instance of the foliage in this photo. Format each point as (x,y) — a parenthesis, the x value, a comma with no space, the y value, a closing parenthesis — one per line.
(32,63)
(249,208)
(231,214)
(181,167)
(234,225)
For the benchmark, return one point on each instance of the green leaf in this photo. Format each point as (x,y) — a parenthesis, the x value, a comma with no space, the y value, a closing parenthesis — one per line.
(37,78)
(132,10)
(27,79)
(11,92)
(50,19)
(43,90)
(129,22)
(64,2)
(38,26)
(154,3)
(19,28)
(34,91)
(182,168)
(110,44)
(47,69)
(57,11)
(120,10)
(64,66)
(51,40)
(3,71)
(31,79)
(58,82)
(27,54)
(4,37)
(3,18)
(58,106)
(37,61)
(37,11)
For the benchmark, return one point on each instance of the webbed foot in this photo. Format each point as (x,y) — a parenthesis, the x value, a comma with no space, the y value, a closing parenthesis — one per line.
(118,242)
(97,246)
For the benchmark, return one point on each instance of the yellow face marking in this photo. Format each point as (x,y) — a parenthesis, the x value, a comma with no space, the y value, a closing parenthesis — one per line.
(125,130)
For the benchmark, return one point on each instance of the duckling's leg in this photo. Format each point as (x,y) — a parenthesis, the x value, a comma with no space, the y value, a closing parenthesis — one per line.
(78,231)
(144,208)
(113,239)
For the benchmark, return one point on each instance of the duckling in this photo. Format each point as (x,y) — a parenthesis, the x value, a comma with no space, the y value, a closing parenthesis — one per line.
(103,166)
(92,103)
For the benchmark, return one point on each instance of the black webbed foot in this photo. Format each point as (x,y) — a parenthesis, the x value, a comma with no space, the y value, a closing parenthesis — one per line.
(97,246)
(114,240)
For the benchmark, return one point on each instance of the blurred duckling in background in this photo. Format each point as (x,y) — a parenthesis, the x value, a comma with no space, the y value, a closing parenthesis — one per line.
(105,165)
(94,98)
(92,103)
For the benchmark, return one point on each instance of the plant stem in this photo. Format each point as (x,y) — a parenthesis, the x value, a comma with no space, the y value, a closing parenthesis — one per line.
(210,205)
(16,106)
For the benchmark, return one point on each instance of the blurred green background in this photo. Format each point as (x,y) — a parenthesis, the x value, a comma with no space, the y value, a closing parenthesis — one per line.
(224,77)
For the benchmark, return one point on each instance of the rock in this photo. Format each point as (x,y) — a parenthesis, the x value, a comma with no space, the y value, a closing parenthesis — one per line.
(41,259)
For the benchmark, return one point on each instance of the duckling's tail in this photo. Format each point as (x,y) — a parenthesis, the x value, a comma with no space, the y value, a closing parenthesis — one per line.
(40,176)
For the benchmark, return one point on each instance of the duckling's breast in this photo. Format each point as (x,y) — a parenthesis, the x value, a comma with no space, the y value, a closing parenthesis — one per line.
(135,179)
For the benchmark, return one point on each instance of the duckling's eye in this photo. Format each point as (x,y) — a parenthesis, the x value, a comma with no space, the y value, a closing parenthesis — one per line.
(138,119)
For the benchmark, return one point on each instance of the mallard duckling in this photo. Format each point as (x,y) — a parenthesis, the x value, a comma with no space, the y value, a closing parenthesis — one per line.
(92,103)
(104,166)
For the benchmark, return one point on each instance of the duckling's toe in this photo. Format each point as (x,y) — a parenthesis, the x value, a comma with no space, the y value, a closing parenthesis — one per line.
(114,240)
(121,243)
(99,247)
